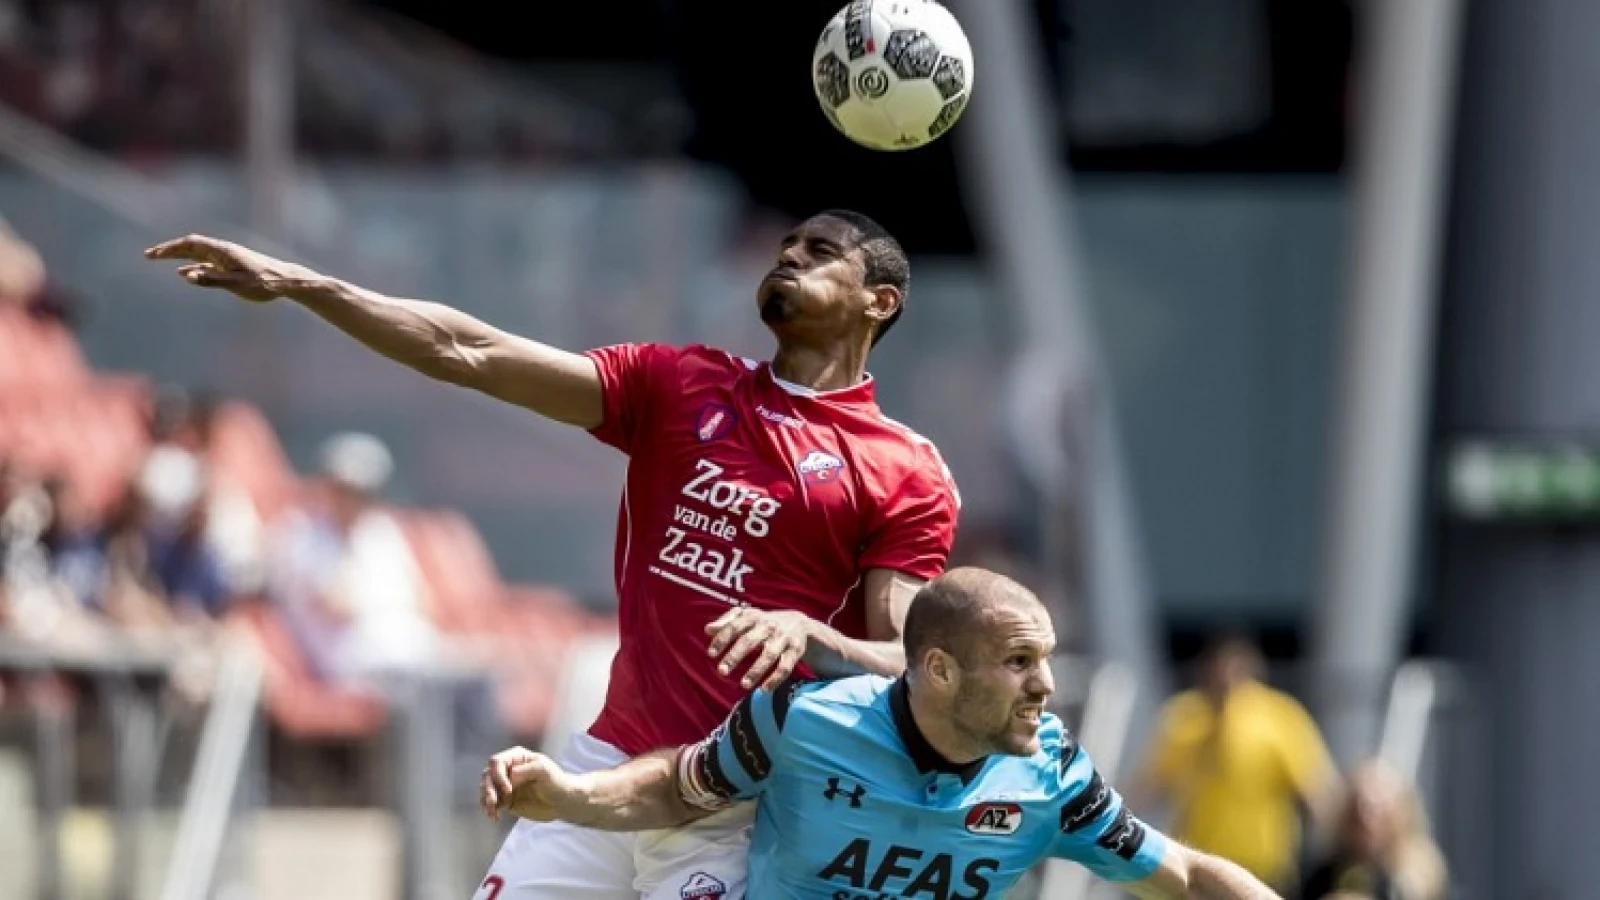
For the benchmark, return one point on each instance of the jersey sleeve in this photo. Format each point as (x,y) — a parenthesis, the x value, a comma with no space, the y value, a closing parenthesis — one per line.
(1096,829)
(914,529)
(736,761)
(635,379)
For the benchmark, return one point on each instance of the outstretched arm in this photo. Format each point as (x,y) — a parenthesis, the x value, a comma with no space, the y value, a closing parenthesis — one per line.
(662,789)
(432,338)
(1099,832)
(1186,874)
(640,795)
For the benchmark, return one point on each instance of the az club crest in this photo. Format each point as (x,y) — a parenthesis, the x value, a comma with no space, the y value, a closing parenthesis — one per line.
(994,818)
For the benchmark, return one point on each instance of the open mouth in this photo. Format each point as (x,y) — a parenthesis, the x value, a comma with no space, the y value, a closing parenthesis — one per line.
(1029,714)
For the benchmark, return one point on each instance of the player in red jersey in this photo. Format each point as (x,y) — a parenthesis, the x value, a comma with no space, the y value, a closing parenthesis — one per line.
(772,516)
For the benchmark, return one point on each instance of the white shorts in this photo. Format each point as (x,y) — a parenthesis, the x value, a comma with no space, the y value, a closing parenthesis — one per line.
(705,860)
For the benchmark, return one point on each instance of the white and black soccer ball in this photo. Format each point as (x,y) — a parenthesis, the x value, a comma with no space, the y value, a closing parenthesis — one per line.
(893,74)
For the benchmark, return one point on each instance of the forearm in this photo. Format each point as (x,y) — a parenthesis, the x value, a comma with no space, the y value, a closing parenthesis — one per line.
(1214,878)
(432,338)
(832,655)
(640,795)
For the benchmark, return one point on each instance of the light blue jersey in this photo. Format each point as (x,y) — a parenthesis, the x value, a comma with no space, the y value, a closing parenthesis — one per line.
(855,804)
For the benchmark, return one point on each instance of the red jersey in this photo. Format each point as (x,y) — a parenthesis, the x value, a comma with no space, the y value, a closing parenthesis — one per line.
(743,489)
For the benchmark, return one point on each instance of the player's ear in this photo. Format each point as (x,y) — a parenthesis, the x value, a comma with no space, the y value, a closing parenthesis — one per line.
(885,300)
(940,668)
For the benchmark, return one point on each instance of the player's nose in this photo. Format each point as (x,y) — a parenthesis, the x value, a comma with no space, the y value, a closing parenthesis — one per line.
(1043,681)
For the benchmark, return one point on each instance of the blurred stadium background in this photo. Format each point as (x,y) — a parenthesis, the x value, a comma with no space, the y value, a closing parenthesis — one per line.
(1259,315)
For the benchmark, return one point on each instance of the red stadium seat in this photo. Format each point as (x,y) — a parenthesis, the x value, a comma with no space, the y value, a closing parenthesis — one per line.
(246,451)
(36,354)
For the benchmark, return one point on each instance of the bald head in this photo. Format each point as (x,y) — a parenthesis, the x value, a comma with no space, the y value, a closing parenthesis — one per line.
(957,610)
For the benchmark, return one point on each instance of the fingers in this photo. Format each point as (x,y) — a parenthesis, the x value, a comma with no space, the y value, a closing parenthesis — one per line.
(244,284)
(207,275)
(777,660)
(764,661)
(500,776)
(723,621)
(194,246)
(787,660)
(496,784)
(757,634)
(728,628)
(488,796)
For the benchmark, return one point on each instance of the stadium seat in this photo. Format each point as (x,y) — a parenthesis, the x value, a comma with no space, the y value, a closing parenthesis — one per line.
(246,451)
(36,354)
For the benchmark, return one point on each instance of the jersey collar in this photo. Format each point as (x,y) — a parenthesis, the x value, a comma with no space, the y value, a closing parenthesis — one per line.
(922,753)
(864,391)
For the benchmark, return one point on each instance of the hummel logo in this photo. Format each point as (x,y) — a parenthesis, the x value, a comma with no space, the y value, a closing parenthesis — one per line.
(853,796)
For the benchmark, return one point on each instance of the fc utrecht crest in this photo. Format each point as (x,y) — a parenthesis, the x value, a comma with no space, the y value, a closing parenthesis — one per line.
(715,421)
(819,467)
(701,886)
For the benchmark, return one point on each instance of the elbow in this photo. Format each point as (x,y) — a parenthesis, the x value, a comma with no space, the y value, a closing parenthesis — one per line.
(1187,873)
(1194,873)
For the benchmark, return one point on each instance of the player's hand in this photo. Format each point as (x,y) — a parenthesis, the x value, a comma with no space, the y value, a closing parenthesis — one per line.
(523,782)
(781,637)
(216,263)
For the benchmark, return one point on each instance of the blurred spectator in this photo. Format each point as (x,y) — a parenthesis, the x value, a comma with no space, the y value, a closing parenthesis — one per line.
(34,603)
(1382,849)
(344,576)
(22,274)
(25,283)
(181,560)
(149,568)
(1234,758)
(233,531)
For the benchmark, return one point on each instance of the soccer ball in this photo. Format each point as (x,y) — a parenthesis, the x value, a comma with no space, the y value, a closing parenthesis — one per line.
(893,74)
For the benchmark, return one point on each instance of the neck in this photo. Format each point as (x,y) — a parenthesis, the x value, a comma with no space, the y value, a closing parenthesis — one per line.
(940,732)
(821,369)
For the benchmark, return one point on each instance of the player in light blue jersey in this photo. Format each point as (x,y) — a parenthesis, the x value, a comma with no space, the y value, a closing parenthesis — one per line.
(945,784)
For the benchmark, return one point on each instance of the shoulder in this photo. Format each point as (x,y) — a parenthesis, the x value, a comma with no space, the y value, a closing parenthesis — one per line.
(659,354)
(715,357)
(840,701)
(909,461)
(854,692)
(913,446)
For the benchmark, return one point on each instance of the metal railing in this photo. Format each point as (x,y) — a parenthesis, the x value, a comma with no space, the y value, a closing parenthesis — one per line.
(121,672)
(221,778)
(1408,722)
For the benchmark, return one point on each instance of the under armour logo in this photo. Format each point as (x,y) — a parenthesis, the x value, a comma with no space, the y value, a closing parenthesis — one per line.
(853,796)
